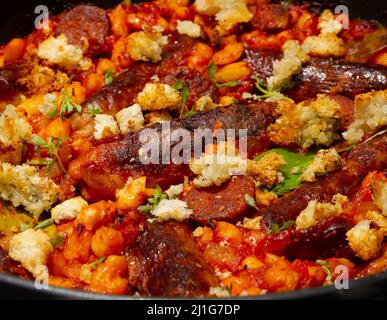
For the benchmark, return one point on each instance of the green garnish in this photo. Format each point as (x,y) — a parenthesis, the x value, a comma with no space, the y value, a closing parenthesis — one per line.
(326,269)
(44,224)
(127,2)
(154,201)
(250,201)
(94,110)
(183,88)
(95,264)
(211,71)
(295,165)
(52,148)
(266,92)
(57,240)
(66,105)
(351,146)
(275,228)
(109,76)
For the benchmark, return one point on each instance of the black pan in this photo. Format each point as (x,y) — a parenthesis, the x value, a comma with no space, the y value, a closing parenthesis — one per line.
(17,19)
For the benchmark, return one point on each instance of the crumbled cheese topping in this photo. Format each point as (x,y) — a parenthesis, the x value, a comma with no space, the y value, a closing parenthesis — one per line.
(204,103)
(266,168)
(294,55)
(31,248)
(130,118)
(328,24)
(325,161)
(365,242)
(58,51)
(306,124)
(228,13)
(316,211)
(198,232)
(175,190)
(325,45)
(146,45)
(216,168)
(23,185)
(219,292)
(14,129)
(104,126)
(370,114)
(252,223)
(171,209)
(379,192)
(188,28)
(156,96)
(49,103)
(68,209)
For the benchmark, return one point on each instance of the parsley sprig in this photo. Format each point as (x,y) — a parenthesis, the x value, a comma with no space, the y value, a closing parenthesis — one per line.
(276,228)
(266,93)
(211,71)
(250,201)
(51,148)
(95,263)
(65,104)
(94,110)
(183,88)
(326,269)
(108,77)
(154,201)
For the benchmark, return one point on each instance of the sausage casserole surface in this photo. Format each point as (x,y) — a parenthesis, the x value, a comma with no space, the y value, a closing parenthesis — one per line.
(194,148)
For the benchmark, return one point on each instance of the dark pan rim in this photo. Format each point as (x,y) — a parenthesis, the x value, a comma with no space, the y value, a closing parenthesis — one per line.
(356,290)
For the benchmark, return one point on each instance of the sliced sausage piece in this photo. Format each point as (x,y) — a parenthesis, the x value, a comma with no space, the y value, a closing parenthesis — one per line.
(332,76)
(226,202)
(324,240)
(85,23)
(269,17)
(361,160)
(111,162)
(166,261)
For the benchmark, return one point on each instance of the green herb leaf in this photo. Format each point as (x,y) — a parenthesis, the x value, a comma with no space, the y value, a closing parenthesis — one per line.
(295,165)
(65,104)
(25,226)
(57,240)
(51,147)
(351,146)
(154,201)
(275,228)
(250,201)
(95,264)
(265,92)
(184,91)
(44,224)
(326,269)
(127,2)
(109,75)
(94,110)
(211,71)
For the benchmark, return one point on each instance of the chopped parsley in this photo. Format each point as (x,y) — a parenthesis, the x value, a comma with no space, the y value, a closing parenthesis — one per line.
(211,71)
(109,76)
(44,224)
(275,228)
(154,201)
(250,201)
(326,269)
(65,104)
(95,264)
(94,110)
(52,151)
(183,88)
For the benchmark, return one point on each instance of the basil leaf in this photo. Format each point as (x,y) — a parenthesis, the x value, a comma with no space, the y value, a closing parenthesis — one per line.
(295,165)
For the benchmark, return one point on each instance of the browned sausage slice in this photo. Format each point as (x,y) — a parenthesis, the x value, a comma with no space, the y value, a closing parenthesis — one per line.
(166,261)
(85,23)
(226,202)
